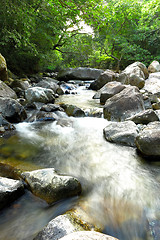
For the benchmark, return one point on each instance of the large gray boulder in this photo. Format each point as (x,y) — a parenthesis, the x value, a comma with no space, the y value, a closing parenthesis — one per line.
(10,190)
(105,77)
(59,227)
(39,94)
(42,116)
(109,90)
(121,133)
(148,140)
(3,69)
(144,117)
(152,84)
(88,235)
(80,73)
(48,185)
(12,111)
(124,104)
(6,91)
(135,75)
(154,67)
(48,83)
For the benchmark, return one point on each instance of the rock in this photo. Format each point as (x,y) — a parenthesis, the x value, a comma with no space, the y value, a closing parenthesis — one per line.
(105,77)
(124,104)
(88,235)
(10,190)
(42,116)
(133,67)
(121,132)
(38,94)
(148,140)
(144,117)
(21,83)
(48,185)
(80,73)
(152,84)
(51,108)
(6,91)
(136,75)
(5,125)
(109,90)
(73,111)
(154,67)
(59,227)
(3,69)
(12,111)
(48,83)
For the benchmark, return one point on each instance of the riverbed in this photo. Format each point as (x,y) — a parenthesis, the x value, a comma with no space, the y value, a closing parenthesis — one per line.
(120,189)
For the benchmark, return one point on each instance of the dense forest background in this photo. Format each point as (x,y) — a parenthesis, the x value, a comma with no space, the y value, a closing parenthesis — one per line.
(47,35)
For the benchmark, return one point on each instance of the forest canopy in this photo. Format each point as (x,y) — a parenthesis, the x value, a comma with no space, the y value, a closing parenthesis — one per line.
(40,35)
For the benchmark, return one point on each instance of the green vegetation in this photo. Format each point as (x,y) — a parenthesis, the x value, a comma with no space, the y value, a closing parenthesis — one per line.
(38,35)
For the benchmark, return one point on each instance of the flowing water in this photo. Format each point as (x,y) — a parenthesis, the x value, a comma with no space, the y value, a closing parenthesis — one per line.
(120,190)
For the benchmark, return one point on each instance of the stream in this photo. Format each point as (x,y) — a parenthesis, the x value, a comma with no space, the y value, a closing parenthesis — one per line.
(120,189)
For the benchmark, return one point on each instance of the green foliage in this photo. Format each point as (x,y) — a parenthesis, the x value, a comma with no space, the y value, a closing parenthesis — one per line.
(46,34)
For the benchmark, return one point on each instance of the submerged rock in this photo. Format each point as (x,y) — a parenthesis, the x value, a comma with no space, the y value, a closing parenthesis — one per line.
(12,111)
(148,140)
(10,190)
(88,235)
(48,185)
(121,132)
(124,104)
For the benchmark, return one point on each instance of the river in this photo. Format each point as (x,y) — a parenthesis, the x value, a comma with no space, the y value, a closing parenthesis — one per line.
(120,189)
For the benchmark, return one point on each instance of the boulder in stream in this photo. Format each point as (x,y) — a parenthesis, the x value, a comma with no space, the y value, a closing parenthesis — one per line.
(80,73)
(124,104)
(60,227)
(12,111)
(5,125)
(48,83)
(72,110)
(144,117)
(121,133)
(10,190)
(39,94)
(50,186)
(148,139)
(105,77)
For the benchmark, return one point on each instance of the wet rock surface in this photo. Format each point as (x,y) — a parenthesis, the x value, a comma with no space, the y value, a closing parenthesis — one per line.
(88,235)
(10,190)
(121,133)
(6,91)
(48,185)
(145,117)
